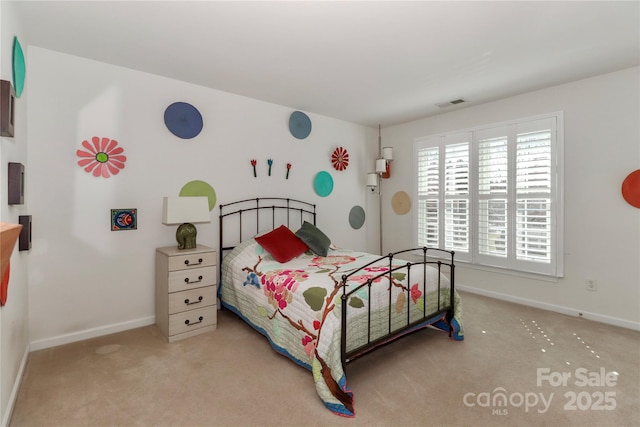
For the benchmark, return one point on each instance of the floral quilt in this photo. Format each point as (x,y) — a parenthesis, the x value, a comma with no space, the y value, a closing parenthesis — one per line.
(297,306)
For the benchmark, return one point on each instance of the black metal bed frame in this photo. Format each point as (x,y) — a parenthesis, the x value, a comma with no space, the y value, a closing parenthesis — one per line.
(305,209)
(308,210)
(445,308)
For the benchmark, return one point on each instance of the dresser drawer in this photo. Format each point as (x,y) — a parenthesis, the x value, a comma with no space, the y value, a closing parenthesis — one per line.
(186,291)
(194,278)
(192,261)
(192,320)
(190,300)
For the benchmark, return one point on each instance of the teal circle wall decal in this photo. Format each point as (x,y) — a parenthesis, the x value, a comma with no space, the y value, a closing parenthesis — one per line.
(19,69)
(299,125)
(356,217)
(199,188)
(323,184)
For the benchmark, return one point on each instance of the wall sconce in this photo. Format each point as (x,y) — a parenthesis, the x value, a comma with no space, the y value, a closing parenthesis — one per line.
(383,165)
(372,181)
(185,211)
(382,171)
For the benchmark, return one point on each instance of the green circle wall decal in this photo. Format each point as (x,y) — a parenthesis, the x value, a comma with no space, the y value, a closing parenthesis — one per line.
(19,69)
(200,188)
(356,217)
(323,184)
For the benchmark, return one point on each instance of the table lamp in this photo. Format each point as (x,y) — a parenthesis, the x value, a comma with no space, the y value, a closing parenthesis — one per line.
(185,211)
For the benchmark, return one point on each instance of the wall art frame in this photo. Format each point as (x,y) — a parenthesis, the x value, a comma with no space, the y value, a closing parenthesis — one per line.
(124,219)
(15,183)
(24,241)
(7,108)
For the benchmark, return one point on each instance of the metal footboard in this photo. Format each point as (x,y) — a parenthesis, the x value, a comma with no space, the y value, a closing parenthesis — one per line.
(444,307)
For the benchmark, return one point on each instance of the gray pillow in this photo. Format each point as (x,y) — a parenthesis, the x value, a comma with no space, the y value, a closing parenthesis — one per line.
(317,241)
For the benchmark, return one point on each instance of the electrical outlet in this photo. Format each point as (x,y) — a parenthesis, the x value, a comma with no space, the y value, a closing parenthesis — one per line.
(592,285)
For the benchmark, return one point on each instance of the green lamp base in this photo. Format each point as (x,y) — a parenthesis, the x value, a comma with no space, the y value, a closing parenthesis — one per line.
(186,236)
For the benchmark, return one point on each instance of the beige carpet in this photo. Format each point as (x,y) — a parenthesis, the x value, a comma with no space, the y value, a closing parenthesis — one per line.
(231,377)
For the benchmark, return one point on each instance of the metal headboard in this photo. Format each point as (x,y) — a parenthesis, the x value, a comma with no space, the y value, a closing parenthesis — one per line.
(259,208)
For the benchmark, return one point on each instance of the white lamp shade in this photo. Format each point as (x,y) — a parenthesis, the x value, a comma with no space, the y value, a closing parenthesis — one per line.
(381,165)
(180,210)
(372,180)
(387,153)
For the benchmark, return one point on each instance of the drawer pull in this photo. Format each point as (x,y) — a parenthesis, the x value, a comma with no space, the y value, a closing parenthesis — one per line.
(186,262)
(187,302)
(200,319)
(188,281)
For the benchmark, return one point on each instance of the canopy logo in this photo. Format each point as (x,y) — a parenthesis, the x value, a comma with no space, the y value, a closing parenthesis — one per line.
(499,401)
(589,395)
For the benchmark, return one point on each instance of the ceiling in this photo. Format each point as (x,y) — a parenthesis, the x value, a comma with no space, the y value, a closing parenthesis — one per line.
(367,62)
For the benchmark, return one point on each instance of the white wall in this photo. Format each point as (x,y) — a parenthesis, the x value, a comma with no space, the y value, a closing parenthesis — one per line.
(14,342)
(602,231)
(86,280)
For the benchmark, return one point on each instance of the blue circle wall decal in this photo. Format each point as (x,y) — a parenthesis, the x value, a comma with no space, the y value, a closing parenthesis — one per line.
(183,120)
(356,217)
(19,69)
(299,125)
(323,184)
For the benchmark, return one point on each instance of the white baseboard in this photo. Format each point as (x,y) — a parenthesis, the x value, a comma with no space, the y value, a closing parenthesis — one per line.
(551,307)
(91,333)
(16,388)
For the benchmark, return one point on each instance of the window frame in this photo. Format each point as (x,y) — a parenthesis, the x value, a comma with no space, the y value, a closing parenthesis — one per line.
(555,267)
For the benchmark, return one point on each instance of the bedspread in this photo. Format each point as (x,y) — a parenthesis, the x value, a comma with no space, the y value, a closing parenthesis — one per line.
(297,306)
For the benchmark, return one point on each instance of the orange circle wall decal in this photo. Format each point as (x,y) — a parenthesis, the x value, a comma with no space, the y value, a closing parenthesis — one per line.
(631,188)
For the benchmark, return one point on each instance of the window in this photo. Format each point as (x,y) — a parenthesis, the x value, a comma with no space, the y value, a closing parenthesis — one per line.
(493,194)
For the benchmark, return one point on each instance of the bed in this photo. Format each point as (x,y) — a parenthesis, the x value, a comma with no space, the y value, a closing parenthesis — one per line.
(323,306)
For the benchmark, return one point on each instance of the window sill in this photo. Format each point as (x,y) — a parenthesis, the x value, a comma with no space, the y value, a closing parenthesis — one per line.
(496,270)
(507,272)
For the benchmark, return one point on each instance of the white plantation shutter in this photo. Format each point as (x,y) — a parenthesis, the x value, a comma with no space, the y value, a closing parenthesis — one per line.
(456,194)
(534,192)
(444,206)
(492,195)
(493,186)
(428,197)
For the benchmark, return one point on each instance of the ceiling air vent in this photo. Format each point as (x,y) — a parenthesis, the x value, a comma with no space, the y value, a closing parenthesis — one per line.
(451,103)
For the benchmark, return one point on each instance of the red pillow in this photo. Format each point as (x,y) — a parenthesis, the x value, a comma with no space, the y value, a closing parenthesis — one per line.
(282,244)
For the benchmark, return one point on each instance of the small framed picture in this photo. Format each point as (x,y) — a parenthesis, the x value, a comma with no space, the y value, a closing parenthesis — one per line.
(124,219)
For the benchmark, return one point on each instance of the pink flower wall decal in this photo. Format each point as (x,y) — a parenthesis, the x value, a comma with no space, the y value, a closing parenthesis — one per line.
(103,157)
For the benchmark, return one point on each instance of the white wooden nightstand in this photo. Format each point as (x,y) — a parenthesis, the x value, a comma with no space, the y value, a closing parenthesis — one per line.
(185,291)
